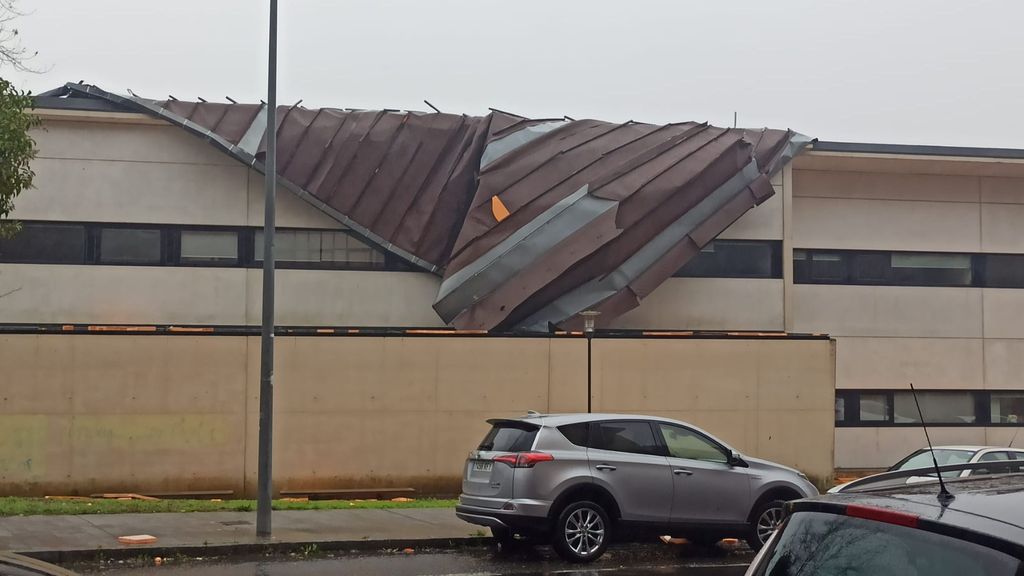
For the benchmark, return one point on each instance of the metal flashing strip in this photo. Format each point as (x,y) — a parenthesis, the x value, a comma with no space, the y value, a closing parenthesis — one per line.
(600,289)
(249,159)
(516,252)
(499,147)
(250,141)
(919,150)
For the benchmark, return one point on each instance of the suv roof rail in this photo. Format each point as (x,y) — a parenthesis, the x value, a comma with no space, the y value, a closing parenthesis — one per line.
(884,479)
(533,414)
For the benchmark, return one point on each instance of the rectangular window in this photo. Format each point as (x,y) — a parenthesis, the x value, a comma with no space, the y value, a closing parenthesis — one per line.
(1003,270)
(874,407)
(633,437)
(343,247)
(212,247)
(1007,407)
(130,246)
(736,259)
(937,407)
(911,269)
(840,409)
(45,244)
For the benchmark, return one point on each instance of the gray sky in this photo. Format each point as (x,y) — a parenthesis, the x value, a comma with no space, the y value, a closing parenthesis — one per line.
(896,71)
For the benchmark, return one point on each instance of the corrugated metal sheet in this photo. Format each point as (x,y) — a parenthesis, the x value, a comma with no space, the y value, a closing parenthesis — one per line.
(530,221)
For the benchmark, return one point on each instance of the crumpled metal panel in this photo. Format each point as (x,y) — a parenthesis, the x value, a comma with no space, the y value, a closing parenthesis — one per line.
(593,215)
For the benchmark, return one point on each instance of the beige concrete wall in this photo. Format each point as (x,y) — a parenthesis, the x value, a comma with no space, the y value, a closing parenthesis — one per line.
(709,304)
(44,294)
(83,413)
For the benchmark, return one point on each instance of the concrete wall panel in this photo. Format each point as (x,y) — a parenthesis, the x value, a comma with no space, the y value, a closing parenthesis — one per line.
(347,298)
(180,412)
(883,447)
(125,142)
(888,311)
(1004,364)
(879,186)
(108,191)
(886,225)
(1002,228)
(763,222)
(1002,190)
(895,362)
(709,304)
(1004,313)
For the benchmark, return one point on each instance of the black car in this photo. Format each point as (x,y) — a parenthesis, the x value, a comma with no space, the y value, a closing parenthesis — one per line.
(906,530)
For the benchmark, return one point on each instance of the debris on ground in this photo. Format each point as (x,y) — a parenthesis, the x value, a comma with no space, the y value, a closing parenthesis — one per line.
(137,539)
(403,499)
(123,496)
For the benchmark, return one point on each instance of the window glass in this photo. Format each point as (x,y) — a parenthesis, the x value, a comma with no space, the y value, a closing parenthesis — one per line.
(937,407)
(207,246)
(874,407)
(343,247)
(634,437)
(45,243)
(735,259)
(683,443)
(930,269)
(840,409)
(826,266)
(944,457)
(508,437)
(871,267)
(1004,270)
(829,544)
(129,246)
(1007,407)
(575,433)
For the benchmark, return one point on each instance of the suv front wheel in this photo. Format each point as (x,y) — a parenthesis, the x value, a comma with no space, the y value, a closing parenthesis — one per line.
(581,532)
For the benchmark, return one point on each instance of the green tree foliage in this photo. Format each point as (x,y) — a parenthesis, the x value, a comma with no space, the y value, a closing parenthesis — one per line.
(17,149)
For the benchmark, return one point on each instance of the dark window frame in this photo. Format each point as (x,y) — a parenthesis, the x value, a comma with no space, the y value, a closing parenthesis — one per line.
(982,409)
(775,266)
(170,248)
(850,258)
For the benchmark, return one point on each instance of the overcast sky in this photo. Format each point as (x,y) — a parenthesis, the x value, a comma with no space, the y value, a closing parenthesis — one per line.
(896,71)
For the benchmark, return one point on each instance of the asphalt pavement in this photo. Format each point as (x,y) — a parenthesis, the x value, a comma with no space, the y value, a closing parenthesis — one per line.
(644,560)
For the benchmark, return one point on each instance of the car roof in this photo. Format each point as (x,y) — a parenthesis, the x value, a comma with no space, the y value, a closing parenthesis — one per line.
(991,504)
(573,418)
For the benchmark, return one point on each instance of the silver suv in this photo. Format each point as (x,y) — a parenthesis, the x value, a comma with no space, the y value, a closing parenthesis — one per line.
(578,478)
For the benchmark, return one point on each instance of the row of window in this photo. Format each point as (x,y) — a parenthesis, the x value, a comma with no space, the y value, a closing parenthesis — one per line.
(141,245)
(940,407)
(736,259)
(867,267)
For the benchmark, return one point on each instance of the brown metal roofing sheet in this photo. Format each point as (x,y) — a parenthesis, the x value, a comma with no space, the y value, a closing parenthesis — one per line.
(593,214)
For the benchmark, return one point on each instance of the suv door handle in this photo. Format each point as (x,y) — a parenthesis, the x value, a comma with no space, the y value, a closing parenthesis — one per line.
(681,472)
(605,468)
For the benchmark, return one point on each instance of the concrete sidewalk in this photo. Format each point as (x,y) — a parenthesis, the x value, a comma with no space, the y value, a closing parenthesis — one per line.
(64,538)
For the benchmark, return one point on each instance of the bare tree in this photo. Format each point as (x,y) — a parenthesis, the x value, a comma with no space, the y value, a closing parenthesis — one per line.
(12,53)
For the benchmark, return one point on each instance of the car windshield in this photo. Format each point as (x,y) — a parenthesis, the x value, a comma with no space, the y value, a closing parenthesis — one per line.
(945,457)
(816,543)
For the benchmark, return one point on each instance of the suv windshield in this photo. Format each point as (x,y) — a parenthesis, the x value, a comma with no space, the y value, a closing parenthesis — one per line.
(816,543)
(509,437)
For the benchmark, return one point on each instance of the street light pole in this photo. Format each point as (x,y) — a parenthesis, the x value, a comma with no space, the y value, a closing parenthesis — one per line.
(589,320)
(266,433)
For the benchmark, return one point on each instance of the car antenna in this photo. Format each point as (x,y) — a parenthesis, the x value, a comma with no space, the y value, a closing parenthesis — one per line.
(945,497)
(1014,439)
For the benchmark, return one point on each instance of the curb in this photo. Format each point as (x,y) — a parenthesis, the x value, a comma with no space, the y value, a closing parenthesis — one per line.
(248,549)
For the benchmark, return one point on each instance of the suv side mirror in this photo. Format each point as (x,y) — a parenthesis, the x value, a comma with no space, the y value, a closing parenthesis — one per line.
(736,460)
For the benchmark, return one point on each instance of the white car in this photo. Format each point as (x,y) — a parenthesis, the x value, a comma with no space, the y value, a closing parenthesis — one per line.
(951,455)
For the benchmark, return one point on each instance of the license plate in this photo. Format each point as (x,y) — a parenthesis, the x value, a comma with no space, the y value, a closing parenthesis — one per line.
(483,466)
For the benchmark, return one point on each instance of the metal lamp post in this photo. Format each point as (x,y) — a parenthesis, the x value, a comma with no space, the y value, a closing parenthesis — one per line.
(264,466)
(589,320)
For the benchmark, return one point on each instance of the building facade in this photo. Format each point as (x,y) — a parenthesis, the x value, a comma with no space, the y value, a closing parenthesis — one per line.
(911,258)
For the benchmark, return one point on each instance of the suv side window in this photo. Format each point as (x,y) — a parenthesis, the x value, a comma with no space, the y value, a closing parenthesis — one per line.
(635,437)
(684,443)
(575,433)
(993,457)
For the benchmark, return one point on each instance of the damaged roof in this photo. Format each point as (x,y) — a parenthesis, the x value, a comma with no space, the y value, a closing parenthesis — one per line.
(529,222)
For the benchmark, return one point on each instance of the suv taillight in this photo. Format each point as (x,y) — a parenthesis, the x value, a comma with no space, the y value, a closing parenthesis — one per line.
(524,459)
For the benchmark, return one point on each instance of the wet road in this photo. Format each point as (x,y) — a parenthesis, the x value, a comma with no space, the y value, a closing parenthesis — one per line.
(641,560)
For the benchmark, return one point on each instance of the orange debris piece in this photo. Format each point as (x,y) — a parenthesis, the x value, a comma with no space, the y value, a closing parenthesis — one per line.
(137,539)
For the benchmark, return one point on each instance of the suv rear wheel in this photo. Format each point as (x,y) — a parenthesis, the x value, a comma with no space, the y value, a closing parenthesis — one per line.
(581,532)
